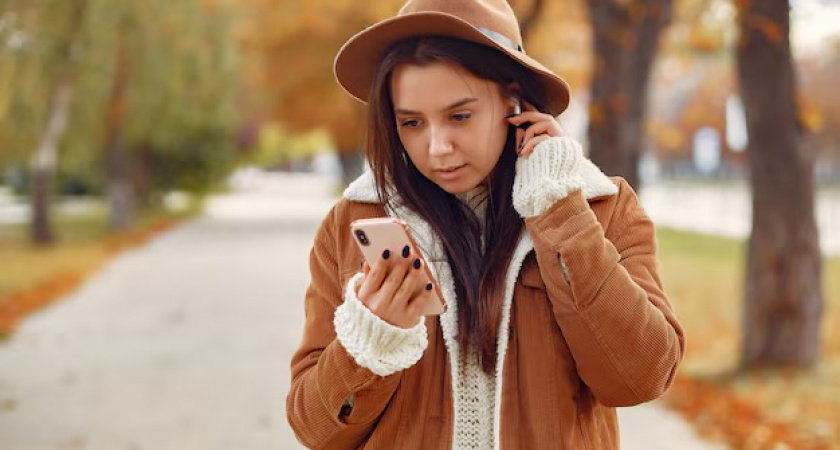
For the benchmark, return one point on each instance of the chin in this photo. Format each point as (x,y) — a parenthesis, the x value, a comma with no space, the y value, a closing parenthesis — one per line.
(457,188)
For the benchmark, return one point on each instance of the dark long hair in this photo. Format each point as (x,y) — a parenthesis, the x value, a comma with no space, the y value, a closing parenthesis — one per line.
(479,273)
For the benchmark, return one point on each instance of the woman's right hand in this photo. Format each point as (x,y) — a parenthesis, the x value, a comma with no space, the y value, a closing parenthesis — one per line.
(395,289)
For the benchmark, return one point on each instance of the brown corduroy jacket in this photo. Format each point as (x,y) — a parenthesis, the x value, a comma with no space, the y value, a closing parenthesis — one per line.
(589,329)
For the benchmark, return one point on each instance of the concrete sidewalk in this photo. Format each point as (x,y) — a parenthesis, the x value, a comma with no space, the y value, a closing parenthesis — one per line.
(185,343)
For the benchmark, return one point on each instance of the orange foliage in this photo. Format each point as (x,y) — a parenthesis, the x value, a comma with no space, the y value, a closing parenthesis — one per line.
(718,412)
(289,48)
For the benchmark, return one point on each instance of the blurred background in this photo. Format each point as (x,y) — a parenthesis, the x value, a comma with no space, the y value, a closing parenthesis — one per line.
(164,166)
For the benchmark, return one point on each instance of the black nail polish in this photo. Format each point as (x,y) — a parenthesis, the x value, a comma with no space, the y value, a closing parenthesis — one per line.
(386,254)
(417,263)
(429,286)
(405,251)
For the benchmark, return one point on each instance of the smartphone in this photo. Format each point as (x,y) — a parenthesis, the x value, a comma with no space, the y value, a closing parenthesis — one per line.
(374,236)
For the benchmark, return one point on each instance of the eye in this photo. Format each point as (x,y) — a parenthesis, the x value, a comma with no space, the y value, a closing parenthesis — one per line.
(411,123)
(460,117)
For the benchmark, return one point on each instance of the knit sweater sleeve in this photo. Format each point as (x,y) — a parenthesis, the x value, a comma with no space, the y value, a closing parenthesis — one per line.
(554,169)
(373,343)
(333,402)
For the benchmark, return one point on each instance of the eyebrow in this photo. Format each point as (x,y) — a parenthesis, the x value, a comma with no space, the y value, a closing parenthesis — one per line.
(457,104)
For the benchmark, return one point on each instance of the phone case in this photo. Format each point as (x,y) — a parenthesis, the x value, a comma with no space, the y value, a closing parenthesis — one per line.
(373,236)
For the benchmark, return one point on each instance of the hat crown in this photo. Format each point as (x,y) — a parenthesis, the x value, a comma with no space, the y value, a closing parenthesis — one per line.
(494,15)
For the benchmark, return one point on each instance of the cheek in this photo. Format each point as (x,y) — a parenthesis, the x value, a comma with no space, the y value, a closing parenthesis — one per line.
(415,148)
(497,142)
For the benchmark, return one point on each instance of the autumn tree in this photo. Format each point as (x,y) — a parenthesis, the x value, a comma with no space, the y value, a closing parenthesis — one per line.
(528,15)
(626,35)
(783,299)
(289,48)
(149,88)
(55,57)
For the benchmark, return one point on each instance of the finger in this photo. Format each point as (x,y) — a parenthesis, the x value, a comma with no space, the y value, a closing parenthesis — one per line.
(374,278)
(546,125)
(518,143)
(424,300)
(394,279)
(420,287)
(530,133)
(530,116)
(536,130)
(531,144)
(408,286)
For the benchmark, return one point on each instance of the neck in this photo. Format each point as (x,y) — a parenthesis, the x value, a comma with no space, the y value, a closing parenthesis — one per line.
(476,200)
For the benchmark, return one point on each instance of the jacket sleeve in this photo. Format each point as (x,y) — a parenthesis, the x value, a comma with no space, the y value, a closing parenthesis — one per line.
(607,297)
(333,402)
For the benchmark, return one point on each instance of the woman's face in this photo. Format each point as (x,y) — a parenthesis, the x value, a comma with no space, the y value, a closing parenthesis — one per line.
(451,123)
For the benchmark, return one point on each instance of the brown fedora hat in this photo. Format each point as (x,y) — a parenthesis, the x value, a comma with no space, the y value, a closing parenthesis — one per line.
(487,22)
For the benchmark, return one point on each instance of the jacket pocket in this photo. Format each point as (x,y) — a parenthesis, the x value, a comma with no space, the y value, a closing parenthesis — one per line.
(563,269)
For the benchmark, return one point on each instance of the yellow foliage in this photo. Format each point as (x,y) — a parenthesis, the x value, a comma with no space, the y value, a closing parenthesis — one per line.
(810,115)
(289,48)
(276,145)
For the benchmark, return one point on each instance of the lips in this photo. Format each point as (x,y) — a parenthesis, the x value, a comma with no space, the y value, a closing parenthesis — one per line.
(449,169)
(449,173)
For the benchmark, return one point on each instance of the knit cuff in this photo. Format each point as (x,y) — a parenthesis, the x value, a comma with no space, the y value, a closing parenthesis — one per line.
(373,343)
(555,168)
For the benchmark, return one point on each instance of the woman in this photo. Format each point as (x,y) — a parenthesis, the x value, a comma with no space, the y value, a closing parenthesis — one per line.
(556,313)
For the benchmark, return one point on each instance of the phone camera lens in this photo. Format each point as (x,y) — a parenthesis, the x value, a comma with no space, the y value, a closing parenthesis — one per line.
(360,235)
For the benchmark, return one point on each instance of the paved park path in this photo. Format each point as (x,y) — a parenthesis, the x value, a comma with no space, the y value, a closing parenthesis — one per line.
(184,344)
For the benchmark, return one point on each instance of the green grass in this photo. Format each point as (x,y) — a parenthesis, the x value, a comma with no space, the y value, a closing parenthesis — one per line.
(703,278)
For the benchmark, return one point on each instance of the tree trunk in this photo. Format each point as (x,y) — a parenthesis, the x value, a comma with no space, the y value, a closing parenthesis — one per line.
(783,298)
(118,170)
(626,37)
(44,162)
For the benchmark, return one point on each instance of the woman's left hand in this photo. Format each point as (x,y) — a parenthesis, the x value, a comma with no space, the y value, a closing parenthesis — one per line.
(540,126)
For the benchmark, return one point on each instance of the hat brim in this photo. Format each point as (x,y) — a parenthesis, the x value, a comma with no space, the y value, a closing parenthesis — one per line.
(358,59)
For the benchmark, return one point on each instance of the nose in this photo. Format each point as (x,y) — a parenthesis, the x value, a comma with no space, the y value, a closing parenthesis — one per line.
(440,142)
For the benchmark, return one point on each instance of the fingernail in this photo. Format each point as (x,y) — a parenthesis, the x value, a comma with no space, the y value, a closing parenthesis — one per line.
(386,254)
(429,286)
(521,143)
(405,252)
(417,263)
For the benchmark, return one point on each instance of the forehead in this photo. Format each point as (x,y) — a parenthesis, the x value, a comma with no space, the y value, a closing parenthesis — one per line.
(436,85)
